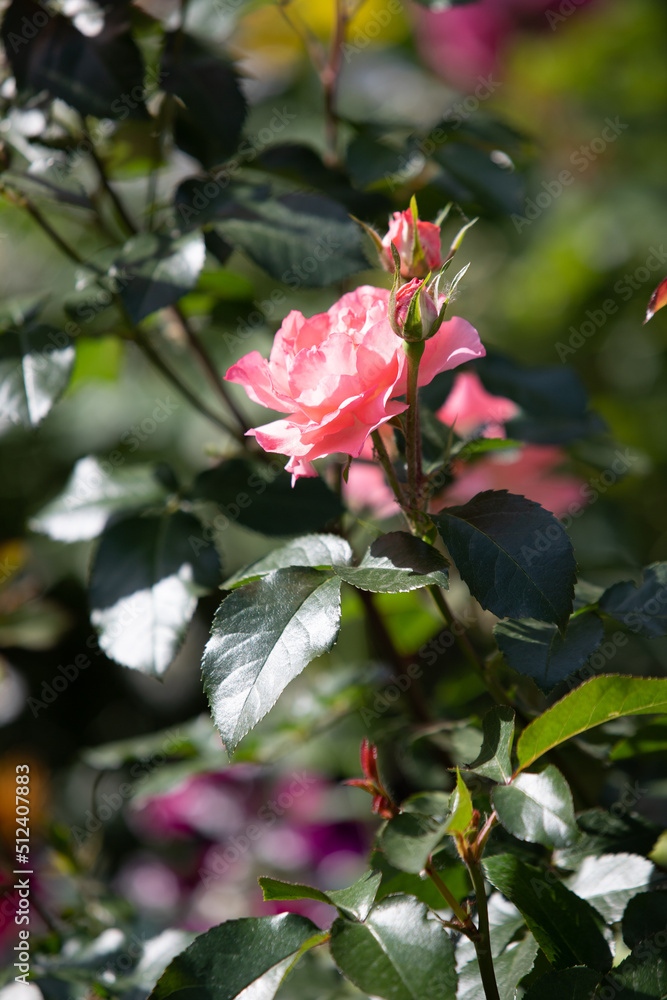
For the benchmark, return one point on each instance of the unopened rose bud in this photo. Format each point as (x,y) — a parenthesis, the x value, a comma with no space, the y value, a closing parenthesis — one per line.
(413,313)
(417,242)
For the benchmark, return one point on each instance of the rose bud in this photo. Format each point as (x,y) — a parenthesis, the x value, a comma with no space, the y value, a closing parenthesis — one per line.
(413,313)
(417,243)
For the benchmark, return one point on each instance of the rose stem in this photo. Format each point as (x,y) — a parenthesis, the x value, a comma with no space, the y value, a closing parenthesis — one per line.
(414,353)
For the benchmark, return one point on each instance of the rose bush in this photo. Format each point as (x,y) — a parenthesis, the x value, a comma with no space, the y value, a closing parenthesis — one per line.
(338,375)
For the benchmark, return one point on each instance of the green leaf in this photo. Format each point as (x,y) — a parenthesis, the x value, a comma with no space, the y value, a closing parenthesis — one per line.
(409,839)
(537,808)
(570,984)
(496,188)
(540,651)
(642,975)
(643,914)
(514,556)
(354,902)
(604,833)
(254,952)
(35,366)
(263,499)
(152,271)
(263,635)
(609,882)
(564,926)
(316,551)
(91,495)
(144,585)
(643,608)
(461,807)
(401,952)
(395,563)
(595,701)
(510,967)
(494,759)
(93,73)
(210,108)
(304,240)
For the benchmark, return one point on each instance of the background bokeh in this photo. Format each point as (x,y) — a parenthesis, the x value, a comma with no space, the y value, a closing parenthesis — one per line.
(560,275)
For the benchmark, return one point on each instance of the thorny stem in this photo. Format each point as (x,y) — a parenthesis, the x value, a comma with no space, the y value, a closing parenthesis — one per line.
(413,444)
(464,918)
(327,67)
(329,77)
(482,940)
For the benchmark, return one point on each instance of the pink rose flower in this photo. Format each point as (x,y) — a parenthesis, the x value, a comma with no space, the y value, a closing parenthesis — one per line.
(402,233)
(471,410)
(337,375)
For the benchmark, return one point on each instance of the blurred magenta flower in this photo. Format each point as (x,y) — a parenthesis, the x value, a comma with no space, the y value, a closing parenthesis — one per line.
(465,44)
(337,374)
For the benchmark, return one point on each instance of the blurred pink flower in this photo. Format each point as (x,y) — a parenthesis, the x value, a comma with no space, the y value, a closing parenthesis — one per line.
(401,233)
(531,471)
(472,411)
(337,375)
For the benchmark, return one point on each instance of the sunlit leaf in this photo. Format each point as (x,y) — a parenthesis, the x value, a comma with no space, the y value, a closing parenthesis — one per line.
(262,637)
(378,955)
(595,701)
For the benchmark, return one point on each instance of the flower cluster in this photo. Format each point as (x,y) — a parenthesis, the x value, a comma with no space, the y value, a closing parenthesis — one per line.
(339,375)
